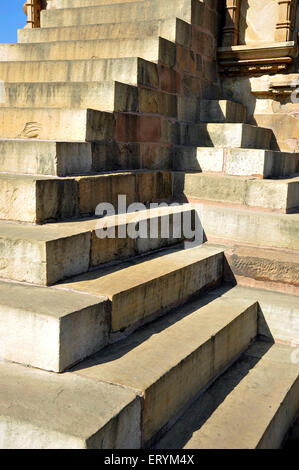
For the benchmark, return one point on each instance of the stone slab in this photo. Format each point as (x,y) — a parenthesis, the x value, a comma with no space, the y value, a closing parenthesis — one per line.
(275,195)
(40,410)
(50,329)
(263,381)
(45,254)
(167,364)
(148,287)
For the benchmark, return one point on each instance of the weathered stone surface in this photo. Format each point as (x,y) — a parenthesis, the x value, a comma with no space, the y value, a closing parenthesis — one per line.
(107,96)
(44,157)
(152,48)
(172,29)
(141,289)
(55,4)
(278,313)
(184,9)
(38,198)
(259,228)
(27,198)
(167,364)
(132,70)
(280,195)
(269,267)
(264,381)
(103,92)
(224,135)
(237,161)
(56,124)
(221,111)
(46,254)
(40,410)
(51,329)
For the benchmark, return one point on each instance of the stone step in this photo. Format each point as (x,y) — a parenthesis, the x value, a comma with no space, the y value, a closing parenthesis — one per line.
(266,268)
(237,161)
(55,4)
(224,135)
(45,254)
(276,195)
(37,199)
(150,48)
(264,381)
(278,313)
(50,329)
(107,96)
(42,410)
(187,10)
(89,125)
(221,337)
(43,157)
(56,124)
(167,364)
(256,227)
(75,319)
(221,111)
(131,70)
(173,29)
(141,290)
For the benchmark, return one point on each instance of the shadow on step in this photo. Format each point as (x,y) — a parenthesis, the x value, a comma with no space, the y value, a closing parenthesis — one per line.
(129,343)
(210,399)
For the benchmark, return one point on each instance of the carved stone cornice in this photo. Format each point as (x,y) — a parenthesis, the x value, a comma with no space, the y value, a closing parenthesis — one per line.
(32,9)
(266,58)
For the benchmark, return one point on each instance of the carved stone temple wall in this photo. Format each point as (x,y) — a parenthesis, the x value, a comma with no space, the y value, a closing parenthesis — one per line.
(259,64)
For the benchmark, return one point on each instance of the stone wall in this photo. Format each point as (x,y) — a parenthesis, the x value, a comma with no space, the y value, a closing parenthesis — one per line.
(268,95)
(253,14)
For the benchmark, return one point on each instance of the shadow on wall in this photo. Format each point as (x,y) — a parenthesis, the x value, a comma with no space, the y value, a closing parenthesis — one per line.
(243,22)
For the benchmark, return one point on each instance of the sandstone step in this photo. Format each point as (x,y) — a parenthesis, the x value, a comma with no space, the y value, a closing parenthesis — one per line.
(143,289)
(278,313)
(255,227)
(42,410)
(62,325)
(263,381)
(107,96)
(149,48)
(167,364)
(50,329)
(221,111)
(56,124)
(173,29)
(237,161)
(275,195)
(271,269)
(43,157)
(36,199)
(131,70)
(45,254)
(60,124)
(52,4)
(224,135)
(187,10)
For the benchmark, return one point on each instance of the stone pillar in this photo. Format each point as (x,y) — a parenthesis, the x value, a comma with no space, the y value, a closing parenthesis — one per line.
(32,9)
(230,35)
(286,20)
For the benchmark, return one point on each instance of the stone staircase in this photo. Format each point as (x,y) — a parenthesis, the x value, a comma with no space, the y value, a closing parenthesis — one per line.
(138,341)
